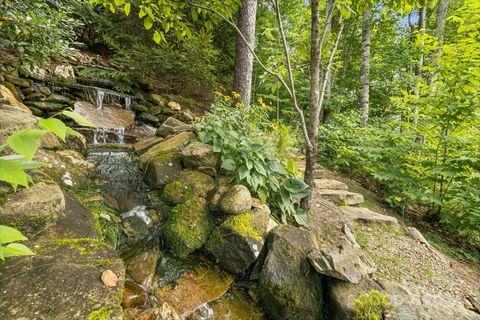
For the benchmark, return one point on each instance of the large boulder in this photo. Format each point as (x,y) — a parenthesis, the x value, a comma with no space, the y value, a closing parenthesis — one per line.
(62,281)
(199,154)
(34,209)
(64,73)
(171,126)
(12,120)
(187,184)
(237,242)
(187,227)
(236,200)
(289,287)
(162,162)
(343,262)
(145,144)
(6,94)
(142,267)
(106,118)
(341,197)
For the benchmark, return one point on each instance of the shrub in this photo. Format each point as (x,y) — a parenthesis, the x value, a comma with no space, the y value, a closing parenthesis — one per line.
(371,306)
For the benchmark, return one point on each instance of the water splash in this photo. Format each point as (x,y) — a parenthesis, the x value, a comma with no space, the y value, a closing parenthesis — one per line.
(104,135)
(139,212)
(128,103)
(100,97)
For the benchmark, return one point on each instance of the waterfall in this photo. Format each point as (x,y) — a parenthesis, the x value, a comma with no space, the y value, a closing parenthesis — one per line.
(99,97)
(104,135)
(128,103)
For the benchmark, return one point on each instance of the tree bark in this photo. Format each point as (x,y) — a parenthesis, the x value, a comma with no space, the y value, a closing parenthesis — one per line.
(242,81)
(442,11)
(365,66)
(314,100)
(422,17)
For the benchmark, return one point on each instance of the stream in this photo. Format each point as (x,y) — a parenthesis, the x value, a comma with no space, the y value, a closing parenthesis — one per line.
(196,287)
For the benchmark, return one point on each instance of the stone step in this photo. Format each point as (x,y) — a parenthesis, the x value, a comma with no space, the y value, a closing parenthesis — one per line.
(366,215)
(341,197)
(330,184)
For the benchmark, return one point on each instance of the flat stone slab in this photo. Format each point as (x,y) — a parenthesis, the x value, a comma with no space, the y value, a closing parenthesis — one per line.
(145,144)
(341,197)
(107,117)
(342,262)
(330,184)
(366,215)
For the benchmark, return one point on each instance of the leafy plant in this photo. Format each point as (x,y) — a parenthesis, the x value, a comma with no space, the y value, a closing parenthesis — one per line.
(122,81)
(371,306)
(245,153)
(9,246)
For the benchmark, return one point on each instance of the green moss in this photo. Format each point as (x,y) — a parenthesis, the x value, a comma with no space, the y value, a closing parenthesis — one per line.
(187,227)
(243,225)
(177,191)
(371,306)
(101,314)
(186,185)
(85,246)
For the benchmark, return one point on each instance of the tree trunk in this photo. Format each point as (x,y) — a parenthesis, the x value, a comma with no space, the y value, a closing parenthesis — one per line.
(422,17)
(242,81)
(365,66)
(442,18)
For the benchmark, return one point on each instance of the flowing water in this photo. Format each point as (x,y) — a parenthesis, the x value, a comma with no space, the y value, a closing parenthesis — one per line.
(201,284)
(101,97)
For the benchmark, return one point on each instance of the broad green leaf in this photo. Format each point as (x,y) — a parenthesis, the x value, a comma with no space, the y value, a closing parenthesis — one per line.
(54,125)
(118,3)
(12,173)
(72,132)
(27,165)
(157,37)
(16,249)
(228,164)
(301,217)
(127,8)
(25,142)
(2,257)
(9,234)
(148,23)
(77,118)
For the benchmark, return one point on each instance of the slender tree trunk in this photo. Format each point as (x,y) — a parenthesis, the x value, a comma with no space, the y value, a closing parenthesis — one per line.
(242,82)
(365,65)
(422,17)
(316,41)
(442,12)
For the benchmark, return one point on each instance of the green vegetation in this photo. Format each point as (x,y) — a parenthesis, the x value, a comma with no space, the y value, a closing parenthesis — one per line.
(371,306)
(244,138)
(9,246)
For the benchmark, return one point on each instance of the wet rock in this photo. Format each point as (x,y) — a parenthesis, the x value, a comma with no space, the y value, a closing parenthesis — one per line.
(142,267)
(108,117)
(135,227)
(64,73)
(236,200)
(187,184)
(173,144)
(44,90)
(330,184)
(367,216)
(341,197)
(145,144)
(167,312)
(187,227)
(34,209)
(5,93)
(236,305)
(12,120)
(58,98)
(175,106)
(171,126)
(18,81)
(157,99)
(343,262)
(289,287)
(133,295)
(237,242)
(35,96)
(45,106)
(199,154)
(202,283)
(147,117)
(65,273)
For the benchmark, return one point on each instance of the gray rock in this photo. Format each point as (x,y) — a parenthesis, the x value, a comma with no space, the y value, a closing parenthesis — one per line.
(34,209)
(199,154)
(58,98)
(237,242)
(343,262)
(330,184)
(236,200)
(142,267)
(18,81)
(366,215)
(147,117)
(341,197)
(171,126)
(289,287)
(187,184)
(145,144)
(64,73)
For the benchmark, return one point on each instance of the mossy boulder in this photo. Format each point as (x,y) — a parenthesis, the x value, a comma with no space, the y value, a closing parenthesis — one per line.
(187,227)
(236,200)
(237,242)
(34,209)
(289,287)
(188,184)
(172,145)
(172,126)
(62,281)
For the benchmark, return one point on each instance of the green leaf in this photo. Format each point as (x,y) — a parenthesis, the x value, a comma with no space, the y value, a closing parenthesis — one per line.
(9,234)
(301,217)
(26,165)
(16,249)
(228,164)
(243,172)
(72,132)
(118,3)
(77,118)
(12,173)
(25,142)
(127,8)
(157,37)
(54,125)
(148,23)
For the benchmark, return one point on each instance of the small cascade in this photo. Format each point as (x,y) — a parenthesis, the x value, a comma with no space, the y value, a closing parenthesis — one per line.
(99,97)
(105,135)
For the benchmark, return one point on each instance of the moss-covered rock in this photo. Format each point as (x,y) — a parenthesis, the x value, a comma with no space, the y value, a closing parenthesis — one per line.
(237,242)
(187,227)
(199,154)
(163,168)
(187,184)
(236,200)
(289,287)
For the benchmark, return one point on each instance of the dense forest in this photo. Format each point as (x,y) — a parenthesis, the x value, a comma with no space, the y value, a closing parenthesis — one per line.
(240,159)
